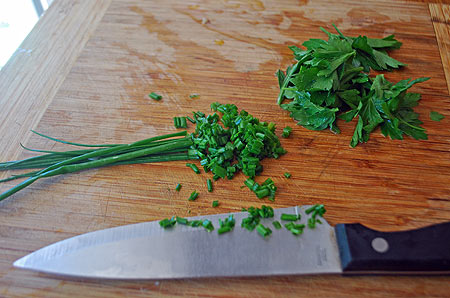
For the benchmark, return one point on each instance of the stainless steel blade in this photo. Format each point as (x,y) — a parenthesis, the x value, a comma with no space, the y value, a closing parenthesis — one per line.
(146,251)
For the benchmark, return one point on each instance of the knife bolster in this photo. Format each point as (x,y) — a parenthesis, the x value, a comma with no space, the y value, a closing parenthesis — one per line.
(421,250)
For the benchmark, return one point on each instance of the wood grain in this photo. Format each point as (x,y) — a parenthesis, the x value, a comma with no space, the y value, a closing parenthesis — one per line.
(440,16)
(94,90)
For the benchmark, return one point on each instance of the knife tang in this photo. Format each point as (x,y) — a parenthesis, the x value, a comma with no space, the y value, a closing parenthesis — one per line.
(415,251)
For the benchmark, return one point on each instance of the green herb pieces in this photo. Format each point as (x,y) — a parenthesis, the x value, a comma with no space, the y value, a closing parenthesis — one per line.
(316,210)
(286,132)
(295,229)
(167,223)
(267,189)
(193,196)
(229,141)
(215,203)
(226,225)
(290,217)
(263,231)
(180,122)
(276,224)
(287,175)
(207,224)
(209,185)
(330,81)
(178,187)
(193,167)
(435,116)
(255,215)
(155,96)
(194,95)
(182,220)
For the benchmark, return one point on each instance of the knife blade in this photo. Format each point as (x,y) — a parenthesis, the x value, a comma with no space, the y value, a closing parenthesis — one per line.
(146,251)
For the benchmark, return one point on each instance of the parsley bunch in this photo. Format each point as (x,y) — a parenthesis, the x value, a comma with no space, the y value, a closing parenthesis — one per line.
(330,80)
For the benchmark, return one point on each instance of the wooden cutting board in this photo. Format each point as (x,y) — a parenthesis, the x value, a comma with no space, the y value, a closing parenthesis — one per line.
(84,73)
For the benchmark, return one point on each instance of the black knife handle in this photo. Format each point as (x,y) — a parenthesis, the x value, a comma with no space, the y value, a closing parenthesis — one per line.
(424,250)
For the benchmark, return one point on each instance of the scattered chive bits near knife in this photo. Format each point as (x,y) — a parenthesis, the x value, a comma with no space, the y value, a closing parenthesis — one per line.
(178,187)
(286,132)
(193,167)
(267,189)
(215,203)
(295,229)
(289,217)
(167,223)
(316,210)
(226,225)
(263,231)
(276,224)
(193,196)
(180,122)
(155,96)
(182,220)
(207,224)
(287,175)
(209,185)
(255,215)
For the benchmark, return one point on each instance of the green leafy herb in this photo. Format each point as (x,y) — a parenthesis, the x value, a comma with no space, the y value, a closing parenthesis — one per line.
(435,116)
(286,132)
(178,187)
(330,81)
(193,196)
(215,203)
(155,96)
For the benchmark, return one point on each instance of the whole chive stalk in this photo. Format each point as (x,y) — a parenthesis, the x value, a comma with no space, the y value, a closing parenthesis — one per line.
(155,96)
(207,224)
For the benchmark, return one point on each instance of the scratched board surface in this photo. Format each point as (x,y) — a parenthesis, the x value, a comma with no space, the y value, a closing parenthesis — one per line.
(228,52)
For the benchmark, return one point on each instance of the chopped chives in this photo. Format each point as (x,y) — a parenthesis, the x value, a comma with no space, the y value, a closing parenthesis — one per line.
(167,223)
(287,175)
(295,229)
(226,225)
(155,96)
(194,95)
(215,203)
(263,231)
(193,196)
(179,122)
(193,167)
(178,187)
(276,224)
(209,185)
(207,224)
(286,132)
(182,220)
(224,229)
(290,217)
(190,119)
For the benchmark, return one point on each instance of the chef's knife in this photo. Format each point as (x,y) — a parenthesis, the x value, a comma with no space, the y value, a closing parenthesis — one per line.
(147,251)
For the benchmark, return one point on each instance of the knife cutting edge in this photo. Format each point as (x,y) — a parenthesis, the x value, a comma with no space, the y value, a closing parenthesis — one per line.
(146,251)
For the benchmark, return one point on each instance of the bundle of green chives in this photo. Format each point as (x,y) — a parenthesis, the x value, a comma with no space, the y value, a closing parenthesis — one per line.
(169,147)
